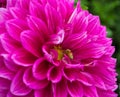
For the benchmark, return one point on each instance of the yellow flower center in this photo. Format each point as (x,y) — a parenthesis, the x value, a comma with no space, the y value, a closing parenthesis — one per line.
(62,52)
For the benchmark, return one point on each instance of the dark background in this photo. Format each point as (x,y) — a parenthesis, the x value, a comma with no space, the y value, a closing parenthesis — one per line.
(109,13)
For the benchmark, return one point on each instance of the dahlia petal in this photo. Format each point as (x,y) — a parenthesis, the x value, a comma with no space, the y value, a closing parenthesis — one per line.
(71,74)
(54,74)
(32,42)
(77,41)
(99,82)
(24,4)
(57,39)
(37,10)
(23,58)
(17,86)
(93,25)
(62,10)
(6,73)
(37,25)
(92,50)
(40,69)
(4,84)
(108,93)
(75,89)
(4,15)
(85,78)
(80,23)
(8,43)
(15,27)
(54,19)
(33,83)
(90,92)
(18,13)
(46,92)
(75,74)
(3,93)
(11,3)
(60,89)
(10,64)
(9,94)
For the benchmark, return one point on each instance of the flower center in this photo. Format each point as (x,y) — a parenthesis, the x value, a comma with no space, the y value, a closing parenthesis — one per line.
(62,53)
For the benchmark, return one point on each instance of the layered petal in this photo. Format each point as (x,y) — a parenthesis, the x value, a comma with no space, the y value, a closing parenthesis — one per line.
(32,42)
(17,86)
(40,69)
(32,82)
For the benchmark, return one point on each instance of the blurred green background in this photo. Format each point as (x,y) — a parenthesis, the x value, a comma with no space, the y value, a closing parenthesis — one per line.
(109,12)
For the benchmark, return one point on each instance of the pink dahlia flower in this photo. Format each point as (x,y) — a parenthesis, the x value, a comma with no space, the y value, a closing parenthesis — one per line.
(48,48)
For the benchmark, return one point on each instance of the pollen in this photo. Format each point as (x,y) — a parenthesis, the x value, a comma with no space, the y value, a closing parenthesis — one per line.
(62,52)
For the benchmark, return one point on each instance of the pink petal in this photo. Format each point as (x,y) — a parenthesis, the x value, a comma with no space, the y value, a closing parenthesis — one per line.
(32,42)
(6,73)
(4,84)
(54,74)
(3,93)
(46,92)
(37,25)
(107,93)
(60,89)
(58,38)
(90,92)
(92,50)
(54,19)
(40,69)
(8,43)
(9,94)
(33,83)
(75,89)
(17,86)
(18,13)
(10,64)
(99,82)
(37,10)
(11,3)
(15,27)
(23,58)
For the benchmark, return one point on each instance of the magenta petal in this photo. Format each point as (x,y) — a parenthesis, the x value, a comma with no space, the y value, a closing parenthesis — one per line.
(9,94)
(3,93)
(75,89)
(57,39)
(54,74)
(37,25)
(46,92)
(33,83)
(108,93)
(8,43)
(40,69)
(37,10)
(54,19)
(6,73)
(11,3)
(60,89)
(99,82)
(4,84)
(91,92)
(23,58)
(15,27)
(17,86)
(32,42)
(9,63)
(17,12)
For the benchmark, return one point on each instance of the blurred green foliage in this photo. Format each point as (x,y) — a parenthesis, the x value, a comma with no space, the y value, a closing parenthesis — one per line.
(109,13)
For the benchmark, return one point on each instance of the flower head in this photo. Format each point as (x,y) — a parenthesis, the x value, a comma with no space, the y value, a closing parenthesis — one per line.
(51,49)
